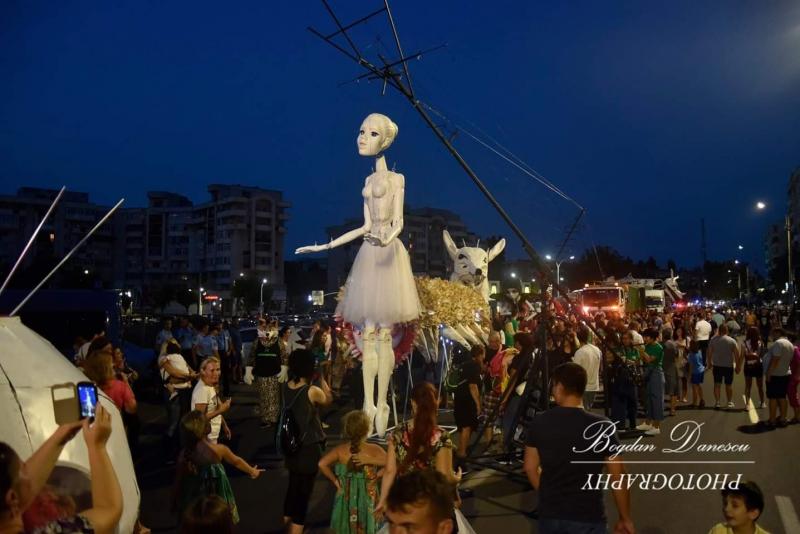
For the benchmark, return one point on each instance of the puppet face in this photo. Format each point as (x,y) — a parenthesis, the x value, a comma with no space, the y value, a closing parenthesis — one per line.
(471,264)
(372,138)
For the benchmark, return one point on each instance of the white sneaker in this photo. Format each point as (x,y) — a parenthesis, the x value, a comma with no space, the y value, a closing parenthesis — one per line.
(716,405)
(653,432)
(762,405)
(644,426)
(730,405)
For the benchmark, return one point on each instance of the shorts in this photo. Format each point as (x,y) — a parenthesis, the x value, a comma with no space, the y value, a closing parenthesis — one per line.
(298,495)
(697,378)
(754,370)
(777,387)
(465,414)
(723,373)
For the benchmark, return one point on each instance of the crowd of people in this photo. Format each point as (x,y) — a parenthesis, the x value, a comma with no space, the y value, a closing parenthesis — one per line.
(646,366)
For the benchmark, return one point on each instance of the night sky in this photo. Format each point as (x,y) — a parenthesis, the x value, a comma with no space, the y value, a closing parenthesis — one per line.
(650,115)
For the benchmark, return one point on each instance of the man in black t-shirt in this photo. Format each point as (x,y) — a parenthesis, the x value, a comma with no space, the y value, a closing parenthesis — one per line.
(558,438)
(467,403)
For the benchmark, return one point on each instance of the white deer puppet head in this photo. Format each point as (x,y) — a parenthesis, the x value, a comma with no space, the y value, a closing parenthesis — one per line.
(471,264)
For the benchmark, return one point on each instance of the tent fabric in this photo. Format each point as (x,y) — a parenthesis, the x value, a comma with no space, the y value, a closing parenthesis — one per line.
(29,366)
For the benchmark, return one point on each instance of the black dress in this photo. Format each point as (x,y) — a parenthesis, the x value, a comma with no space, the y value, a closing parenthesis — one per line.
(465,411)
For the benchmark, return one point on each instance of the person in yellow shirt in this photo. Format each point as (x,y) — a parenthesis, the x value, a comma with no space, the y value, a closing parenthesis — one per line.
(741,506)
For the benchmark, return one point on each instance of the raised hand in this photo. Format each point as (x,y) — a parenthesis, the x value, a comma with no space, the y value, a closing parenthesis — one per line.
(97,433)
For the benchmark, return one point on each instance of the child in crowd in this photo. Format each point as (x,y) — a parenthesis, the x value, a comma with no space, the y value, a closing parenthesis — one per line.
(355,475)
(209,514)
(697,369)
(200,471)
(741,506)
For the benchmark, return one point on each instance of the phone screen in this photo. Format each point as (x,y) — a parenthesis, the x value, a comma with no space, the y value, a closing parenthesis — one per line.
(87,397)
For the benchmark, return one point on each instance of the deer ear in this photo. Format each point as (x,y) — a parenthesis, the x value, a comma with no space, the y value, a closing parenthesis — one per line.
(452,250)
(497,249)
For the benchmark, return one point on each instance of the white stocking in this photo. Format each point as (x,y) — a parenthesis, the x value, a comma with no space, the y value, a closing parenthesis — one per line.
(385,368)
(369,368)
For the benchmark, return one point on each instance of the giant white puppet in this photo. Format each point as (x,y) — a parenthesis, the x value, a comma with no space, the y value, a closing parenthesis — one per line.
(380,291)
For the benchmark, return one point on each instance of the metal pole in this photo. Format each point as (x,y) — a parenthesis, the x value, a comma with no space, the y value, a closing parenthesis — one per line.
(747,279)
(68,256)
(558,275)
(789,257)
(32,239)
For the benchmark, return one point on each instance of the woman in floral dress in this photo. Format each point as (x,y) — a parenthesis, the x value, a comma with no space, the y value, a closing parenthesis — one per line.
(355,474)
(421,444)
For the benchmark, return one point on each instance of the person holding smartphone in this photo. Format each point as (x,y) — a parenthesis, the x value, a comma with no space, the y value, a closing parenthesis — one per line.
(21,481)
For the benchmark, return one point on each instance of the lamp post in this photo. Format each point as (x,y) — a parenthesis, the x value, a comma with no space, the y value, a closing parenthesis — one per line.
(548,257)
(200,301)
(760,205)
(261,305)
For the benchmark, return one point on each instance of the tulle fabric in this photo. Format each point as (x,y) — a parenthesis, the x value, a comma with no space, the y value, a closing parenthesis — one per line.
(380,288)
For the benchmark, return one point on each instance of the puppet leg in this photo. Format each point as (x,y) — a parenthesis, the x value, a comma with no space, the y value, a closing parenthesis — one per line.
(369,360)
(385,368)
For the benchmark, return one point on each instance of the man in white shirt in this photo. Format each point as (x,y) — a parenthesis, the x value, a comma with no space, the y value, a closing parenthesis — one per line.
(633,329)
(588,356)
(702,331)
(777,375)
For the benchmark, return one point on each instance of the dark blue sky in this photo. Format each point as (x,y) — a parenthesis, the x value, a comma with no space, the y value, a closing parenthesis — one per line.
(651,115)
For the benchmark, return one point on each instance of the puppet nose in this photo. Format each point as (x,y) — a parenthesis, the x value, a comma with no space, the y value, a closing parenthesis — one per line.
(478,272)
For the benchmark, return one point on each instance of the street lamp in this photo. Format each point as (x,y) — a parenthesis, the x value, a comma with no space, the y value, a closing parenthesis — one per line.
(200,301)
(548,257)
(261,306)
(788,227)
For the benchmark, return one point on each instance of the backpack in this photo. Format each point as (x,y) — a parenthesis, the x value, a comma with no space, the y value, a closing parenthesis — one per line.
(288,436)
(453,379)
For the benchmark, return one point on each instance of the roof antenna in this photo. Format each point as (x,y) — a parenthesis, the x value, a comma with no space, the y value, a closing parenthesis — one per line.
(69,254)
(32,239)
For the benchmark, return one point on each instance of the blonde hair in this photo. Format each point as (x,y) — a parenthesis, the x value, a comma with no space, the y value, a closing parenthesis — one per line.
(388,127)
(210,359)
(99,367)
(194,425)
(355,426)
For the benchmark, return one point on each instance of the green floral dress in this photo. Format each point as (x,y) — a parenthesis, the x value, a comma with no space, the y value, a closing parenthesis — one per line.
(354,506)
(210,479)
(401,438)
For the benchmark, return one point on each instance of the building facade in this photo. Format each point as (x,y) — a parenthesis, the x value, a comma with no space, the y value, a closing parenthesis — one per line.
(238,232)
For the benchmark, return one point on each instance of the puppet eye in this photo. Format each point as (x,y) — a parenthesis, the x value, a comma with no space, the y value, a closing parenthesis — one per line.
(361,132)
(374,134)
(462,257)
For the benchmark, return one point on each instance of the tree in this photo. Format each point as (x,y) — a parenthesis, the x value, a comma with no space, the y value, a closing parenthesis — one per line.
(185,298)
(163,295)
(248,290)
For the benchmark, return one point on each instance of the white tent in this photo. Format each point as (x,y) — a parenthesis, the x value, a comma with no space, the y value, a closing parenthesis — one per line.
(29,365)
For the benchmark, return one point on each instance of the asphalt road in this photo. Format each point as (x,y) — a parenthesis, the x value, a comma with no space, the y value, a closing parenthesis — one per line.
(499,502)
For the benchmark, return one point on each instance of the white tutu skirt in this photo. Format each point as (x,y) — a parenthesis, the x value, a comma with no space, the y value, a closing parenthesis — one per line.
(380,288)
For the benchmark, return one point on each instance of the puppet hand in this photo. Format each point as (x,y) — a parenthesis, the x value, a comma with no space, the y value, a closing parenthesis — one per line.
(283,376)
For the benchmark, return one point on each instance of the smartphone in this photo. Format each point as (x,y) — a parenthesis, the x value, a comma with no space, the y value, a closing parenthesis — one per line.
(87,400)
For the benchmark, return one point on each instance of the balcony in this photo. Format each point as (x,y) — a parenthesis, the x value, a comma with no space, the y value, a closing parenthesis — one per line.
(232,212)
